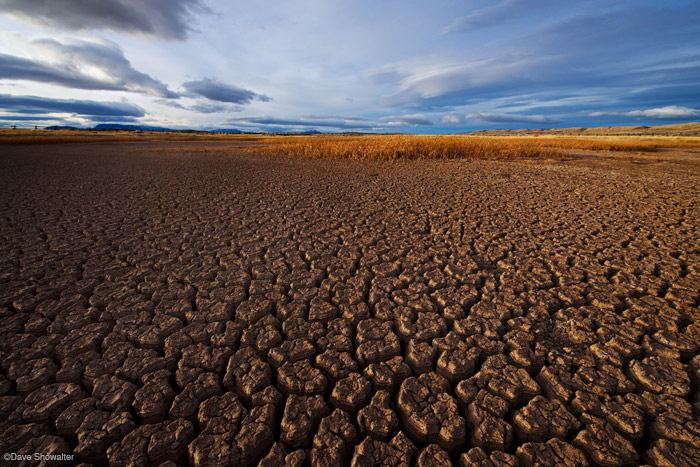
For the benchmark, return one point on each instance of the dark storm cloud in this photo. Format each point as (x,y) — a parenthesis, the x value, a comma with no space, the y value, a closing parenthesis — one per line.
(112,119)
(24,118)
(167,19)
(41,105)
(221,92)
(74,66)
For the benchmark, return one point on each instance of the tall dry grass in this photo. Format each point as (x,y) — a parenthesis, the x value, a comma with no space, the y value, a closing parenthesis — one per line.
(391,147)
(89,136)
(377,147)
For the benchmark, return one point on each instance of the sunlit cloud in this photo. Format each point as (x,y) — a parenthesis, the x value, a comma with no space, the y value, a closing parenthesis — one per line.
(511,118)
(670,112)
(81,65)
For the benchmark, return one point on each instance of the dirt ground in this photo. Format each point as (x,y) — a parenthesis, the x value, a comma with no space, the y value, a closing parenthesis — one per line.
(196,303)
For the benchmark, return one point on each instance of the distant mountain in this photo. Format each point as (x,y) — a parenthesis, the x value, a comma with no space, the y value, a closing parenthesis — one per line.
(677,129)
(57,127)
(120,126)
(225,130)
(301,132)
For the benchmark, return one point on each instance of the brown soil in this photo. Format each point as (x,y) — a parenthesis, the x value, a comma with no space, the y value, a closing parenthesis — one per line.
(191,302)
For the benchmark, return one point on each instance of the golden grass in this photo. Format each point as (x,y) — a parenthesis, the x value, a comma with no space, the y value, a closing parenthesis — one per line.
(391,147)
(88,136)
(378,147)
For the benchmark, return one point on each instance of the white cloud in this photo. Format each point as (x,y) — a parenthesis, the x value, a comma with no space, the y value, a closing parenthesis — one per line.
(81,64)
(510,118)
(452,117)
(497,14)
(670,112)
(422,80)
(399,120)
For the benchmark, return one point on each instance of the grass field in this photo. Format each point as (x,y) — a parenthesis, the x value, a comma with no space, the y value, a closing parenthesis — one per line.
(390,147)
(384,147)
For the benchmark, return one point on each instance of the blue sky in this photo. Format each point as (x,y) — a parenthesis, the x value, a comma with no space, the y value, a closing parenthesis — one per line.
(388,65)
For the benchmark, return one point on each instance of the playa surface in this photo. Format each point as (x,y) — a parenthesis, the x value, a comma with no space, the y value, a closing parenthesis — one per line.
(198,303)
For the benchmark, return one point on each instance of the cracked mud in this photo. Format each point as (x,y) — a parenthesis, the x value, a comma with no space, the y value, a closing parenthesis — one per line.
(181,303)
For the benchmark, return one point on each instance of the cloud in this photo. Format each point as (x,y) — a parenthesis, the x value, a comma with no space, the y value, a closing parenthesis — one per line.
(166,19)
(415,119)
(452,118)
(614,50)
(82,65)
(211,108)
(450,83)
(202,107)
(331,122)
(42,106)
(499,13)
(112,119)
(216,91)
(24,118)
(670,112)
(510,118)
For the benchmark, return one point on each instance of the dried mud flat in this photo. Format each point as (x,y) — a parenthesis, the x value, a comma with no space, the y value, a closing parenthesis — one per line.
(173,303)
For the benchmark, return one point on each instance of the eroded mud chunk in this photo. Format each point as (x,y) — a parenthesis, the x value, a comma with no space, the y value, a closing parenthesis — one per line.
(429,412)
(477,457)
(46,403)
(433,456)
(301,377)
(378,418)
(604,445)
(543,419)
(334,440)
(186,404)
(170,443)
(351,393)
(247,373)
(661,375)
(302,414)
(398,452)
(552,453)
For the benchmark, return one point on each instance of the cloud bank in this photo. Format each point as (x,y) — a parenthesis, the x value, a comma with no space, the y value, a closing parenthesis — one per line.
(165,19)
(216,91)
(42,106)
(511,118)
(82,65)
(415,119)
(670,112)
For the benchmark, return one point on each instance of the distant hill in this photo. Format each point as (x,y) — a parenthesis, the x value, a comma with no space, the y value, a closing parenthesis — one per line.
(126,127)
(57,127)
(225,130)
(120,126)
(680,129)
